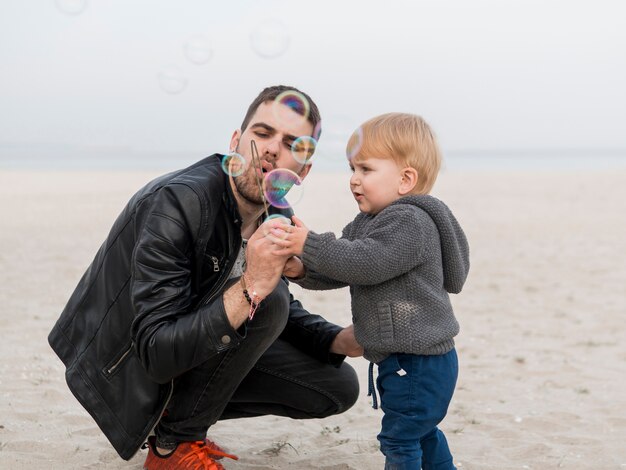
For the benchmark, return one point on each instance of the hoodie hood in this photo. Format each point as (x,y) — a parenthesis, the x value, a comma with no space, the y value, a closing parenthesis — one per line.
(454,246)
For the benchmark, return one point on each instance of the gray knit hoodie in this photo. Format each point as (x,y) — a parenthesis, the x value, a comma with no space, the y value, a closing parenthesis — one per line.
(400,265)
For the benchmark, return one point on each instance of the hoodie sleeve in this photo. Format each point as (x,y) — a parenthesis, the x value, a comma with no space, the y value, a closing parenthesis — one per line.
(390,247)
(315,281)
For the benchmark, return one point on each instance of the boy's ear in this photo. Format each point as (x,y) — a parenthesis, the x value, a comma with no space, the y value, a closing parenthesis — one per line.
(408,180)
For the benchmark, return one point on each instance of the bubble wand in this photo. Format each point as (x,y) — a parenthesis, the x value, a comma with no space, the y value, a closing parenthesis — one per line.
(256,161)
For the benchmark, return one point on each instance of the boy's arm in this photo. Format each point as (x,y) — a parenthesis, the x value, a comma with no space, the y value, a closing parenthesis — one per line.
(292,240)
(392,246)
(296,272)
(316,281)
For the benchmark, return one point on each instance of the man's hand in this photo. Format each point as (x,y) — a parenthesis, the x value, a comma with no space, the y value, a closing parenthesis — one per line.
(263,265)
(263,272)
(345,343)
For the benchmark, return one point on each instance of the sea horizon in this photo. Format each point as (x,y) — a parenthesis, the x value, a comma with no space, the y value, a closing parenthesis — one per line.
(61,157)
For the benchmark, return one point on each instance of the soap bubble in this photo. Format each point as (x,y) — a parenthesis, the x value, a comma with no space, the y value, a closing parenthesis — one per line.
(270,39)
(280,182)
(291,108)
(71,7)
(317,132)
(172,80)
(198,49)
(233,164)
(302,149)
(354,143)
(279,217)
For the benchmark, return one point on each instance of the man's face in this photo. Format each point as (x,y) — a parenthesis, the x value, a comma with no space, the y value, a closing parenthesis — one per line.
(273,127)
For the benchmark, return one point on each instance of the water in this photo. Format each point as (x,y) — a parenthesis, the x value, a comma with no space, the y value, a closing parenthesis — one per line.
(65,157)
(540,160)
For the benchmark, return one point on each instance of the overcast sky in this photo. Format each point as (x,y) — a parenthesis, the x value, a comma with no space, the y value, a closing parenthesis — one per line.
(166,75)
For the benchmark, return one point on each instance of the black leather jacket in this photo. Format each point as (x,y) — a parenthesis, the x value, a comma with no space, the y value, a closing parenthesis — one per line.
(149,307)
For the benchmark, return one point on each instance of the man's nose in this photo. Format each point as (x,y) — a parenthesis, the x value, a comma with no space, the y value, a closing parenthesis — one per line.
(272,148)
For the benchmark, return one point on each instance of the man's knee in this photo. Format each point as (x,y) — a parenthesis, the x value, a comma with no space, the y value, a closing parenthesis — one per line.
(348,388)
(341,396)
(273,311)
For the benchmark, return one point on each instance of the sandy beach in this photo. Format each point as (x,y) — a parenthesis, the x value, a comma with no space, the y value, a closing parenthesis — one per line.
(542,347)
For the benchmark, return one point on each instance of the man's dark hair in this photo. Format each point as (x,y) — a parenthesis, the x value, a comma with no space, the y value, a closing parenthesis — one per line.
(270,94)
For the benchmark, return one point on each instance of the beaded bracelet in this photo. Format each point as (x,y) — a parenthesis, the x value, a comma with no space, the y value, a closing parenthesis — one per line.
(253,300)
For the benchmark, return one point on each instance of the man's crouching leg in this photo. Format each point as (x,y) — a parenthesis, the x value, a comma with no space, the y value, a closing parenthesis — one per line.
(287,381)
(201,394)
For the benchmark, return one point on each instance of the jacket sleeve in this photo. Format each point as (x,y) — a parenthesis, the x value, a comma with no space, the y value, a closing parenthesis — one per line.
(311,333)
(169,336)
(391,247)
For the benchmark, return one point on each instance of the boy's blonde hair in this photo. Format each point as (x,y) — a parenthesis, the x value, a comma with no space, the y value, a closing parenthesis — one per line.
(405,138)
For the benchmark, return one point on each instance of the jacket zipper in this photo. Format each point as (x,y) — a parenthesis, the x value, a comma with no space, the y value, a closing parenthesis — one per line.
(216,266)
(111,369)
(211,294)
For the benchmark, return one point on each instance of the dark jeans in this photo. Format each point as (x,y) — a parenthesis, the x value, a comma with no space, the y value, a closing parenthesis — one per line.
(264,375)
(414,402)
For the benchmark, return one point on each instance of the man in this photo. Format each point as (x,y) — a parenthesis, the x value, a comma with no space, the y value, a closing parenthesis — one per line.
(176,324)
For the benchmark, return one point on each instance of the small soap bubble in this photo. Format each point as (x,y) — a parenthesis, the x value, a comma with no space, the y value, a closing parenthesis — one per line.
(280,182)
(291,108)
(270,39)
(198,49)
(303,148)
(354,143)
(283,219)
(172,80)
(71,7)
(317,132)
(279,217)
(233,164)
(518,419)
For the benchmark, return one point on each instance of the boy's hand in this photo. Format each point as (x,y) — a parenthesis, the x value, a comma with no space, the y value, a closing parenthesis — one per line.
(290,238)
(294,268)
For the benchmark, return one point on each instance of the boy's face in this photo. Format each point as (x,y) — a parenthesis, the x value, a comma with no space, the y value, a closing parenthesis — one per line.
(375,183)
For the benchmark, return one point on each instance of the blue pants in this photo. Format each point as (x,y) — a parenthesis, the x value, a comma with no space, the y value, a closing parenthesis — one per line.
(415,392)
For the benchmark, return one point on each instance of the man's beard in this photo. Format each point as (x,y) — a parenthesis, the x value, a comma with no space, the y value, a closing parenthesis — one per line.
(248,187)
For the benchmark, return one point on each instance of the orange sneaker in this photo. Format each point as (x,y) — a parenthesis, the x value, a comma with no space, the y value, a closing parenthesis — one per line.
(200,455)
(217,452)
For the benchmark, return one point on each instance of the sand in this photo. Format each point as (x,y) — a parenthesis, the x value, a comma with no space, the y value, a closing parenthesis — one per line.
(542,346)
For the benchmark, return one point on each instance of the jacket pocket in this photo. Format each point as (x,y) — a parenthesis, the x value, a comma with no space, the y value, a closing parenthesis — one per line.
(116,363)
(385,325)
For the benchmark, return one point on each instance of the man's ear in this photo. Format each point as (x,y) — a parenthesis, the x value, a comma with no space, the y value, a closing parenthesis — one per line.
(408,180)
(305,170)
(234,140)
